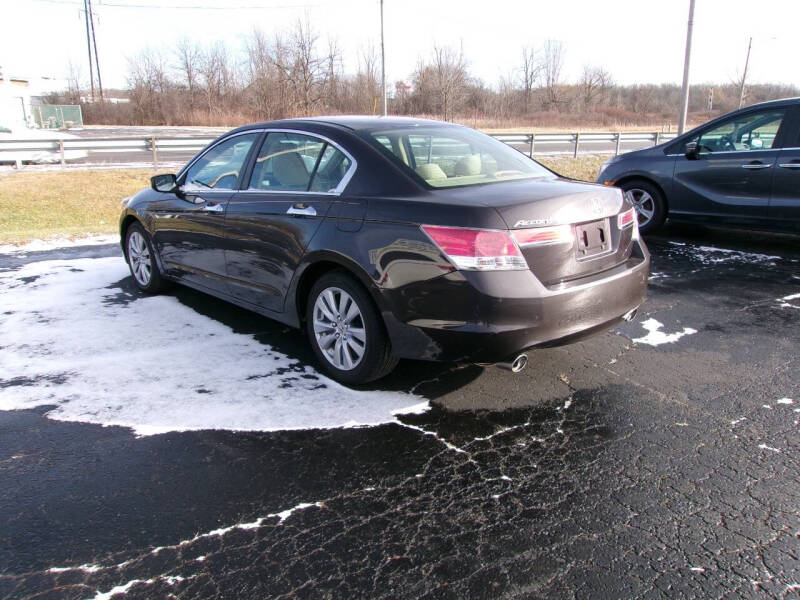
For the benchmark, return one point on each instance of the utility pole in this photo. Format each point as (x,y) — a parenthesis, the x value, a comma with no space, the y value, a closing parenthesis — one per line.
(383,64)
(686,60)
(96,57)
(744,75)
(89,45)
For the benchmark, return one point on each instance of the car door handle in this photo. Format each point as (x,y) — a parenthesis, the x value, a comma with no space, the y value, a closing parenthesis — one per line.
(302,209)
(756,165)
(790,165)
(213,208)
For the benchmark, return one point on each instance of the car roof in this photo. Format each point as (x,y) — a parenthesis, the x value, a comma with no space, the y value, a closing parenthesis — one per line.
(768,103)
(354,122)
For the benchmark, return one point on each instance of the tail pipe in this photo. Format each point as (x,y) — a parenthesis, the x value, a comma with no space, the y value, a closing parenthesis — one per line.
(516,364)
(630,315)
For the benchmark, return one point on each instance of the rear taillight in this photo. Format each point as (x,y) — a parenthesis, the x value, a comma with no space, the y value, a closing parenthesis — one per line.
(477,249)
(627,218)
(543,236)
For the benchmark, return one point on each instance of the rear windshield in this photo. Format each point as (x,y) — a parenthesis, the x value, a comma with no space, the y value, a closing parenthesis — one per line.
(455,156)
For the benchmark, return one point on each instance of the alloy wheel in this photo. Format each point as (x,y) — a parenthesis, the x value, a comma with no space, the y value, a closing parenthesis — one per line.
(139,258)
(644,204)
(339,328)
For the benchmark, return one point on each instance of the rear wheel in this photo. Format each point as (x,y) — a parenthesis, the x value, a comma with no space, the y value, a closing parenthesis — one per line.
(346,331)
(651,209)
(141,260)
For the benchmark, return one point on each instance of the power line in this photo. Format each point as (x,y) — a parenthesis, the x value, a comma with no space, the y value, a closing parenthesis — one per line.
(181,6)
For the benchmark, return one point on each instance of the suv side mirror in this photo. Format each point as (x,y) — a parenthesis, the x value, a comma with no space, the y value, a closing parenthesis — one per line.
(691,150)
(164,183)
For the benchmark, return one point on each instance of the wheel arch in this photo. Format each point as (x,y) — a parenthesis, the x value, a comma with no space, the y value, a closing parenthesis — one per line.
(314,267)
(124,224)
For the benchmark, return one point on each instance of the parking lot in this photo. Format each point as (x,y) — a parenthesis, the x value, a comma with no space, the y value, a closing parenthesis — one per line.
(177,446)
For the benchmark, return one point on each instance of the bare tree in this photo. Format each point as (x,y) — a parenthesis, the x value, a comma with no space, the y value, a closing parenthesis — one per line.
(188,56)
(531,72)
(439,86)
(594,84)
(552,64)
(74,83)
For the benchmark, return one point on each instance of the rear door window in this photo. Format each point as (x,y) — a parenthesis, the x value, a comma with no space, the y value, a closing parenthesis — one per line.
(296,162)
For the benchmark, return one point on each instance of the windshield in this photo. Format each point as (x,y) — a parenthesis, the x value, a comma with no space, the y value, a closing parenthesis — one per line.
(455,156)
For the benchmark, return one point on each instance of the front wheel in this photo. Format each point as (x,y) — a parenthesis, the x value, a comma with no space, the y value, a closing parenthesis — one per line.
(651,209)
(346,331)
(142,261)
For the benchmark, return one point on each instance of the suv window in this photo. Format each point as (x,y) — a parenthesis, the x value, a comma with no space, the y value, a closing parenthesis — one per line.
(753,131)
(296,162)
(220,167)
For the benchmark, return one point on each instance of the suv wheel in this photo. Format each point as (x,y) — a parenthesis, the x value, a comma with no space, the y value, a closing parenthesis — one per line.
(651,209)
(346,331)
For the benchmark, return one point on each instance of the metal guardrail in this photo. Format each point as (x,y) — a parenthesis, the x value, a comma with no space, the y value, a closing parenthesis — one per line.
(578,140)
(66,149)
(62,150)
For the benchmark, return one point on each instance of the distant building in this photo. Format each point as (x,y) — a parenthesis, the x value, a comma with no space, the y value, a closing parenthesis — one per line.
(18,96)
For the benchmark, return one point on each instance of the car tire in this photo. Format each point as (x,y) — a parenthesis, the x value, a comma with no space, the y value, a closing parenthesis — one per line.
(141,258)
(338,306)
(649,202)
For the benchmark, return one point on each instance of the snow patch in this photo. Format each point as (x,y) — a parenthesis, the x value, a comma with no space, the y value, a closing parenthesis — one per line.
(770,448)
(784,401)
(74,339)
(655,337)
(56,243)
(711,255)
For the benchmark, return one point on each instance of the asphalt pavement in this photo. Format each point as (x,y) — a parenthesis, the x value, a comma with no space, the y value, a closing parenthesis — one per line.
(659,460)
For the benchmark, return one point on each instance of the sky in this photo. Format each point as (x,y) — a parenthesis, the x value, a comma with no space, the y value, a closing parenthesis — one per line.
(637,41)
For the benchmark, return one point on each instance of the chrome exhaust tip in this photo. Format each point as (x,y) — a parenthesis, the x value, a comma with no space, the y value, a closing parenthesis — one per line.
(516,365)
(630,315)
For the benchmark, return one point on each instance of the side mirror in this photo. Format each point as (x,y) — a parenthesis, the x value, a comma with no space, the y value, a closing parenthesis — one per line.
(691,150)
(756,144)
(164,183)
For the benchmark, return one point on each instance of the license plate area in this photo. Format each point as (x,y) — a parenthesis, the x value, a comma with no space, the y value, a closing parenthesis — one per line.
(593,239)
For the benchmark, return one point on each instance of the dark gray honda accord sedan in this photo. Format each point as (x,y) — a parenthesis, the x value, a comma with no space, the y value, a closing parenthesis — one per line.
(390,238)
(741,169)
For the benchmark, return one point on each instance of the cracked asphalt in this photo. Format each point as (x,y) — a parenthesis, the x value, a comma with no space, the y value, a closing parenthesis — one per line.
(611,468)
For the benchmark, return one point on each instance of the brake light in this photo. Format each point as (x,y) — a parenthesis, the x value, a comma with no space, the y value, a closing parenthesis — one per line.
(543,236)
(627,218)
(477,249)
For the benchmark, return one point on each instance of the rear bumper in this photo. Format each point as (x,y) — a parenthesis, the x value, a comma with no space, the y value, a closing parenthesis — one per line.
(489,316)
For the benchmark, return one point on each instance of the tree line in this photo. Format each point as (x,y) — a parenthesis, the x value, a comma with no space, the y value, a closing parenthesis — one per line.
(299,73)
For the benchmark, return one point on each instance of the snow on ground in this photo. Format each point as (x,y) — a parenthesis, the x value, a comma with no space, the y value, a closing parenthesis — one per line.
(656,337)
(73,339)
(55,243)
(710,255)
(784,302)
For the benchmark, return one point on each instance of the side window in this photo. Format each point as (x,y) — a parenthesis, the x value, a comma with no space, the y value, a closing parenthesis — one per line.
(286,162)
(295,162)
(333,166)
(220,167)
(754,131)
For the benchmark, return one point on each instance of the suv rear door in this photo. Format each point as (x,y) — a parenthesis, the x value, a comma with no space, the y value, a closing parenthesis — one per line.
(731,176)
(784,204)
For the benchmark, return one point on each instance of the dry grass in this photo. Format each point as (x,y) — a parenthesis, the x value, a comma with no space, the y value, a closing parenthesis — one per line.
(585,168)
(46,204)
